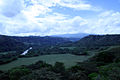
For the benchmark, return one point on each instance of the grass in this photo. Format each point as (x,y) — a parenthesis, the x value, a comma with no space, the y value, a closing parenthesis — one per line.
(7,52)
(68,59)
(71,48)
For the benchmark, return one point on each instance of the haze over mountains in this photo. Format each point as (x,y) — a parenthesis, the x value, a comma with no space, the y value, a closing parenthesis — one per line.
(76,35)
(72,37)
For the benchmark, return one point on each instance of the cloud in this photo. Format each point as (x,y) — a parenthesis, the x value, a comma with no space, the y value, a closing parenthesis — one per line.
(36,17)
(11,8)
(78,5)
(107,22)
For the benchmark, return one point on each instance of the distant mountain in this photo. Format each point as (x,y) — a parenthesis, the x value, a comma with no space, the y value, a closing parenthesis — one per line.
(77,35)
(72,37)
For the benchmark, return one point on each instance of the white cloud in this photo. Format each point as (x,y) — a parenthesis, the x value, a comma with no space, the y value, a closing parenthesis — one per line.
(108,22)
(78,5)
(39,19)
(11,8)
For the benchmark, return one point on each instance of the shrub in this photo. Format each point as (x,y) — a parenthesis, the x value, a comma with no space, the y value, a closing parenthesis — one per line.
(42,74)
(17,73)
(110,72)
(93,76)
(59,67)
(78,76)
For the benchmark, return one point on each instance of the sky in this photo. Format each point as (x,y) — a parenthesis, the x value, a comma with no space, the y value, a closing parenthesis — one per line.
(52,17)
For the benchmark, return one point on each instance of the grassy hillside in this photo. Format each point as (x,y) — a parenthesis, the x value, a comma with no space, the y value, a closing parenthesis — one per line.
(41,41)
(99,40)
(95,42)
(9,44)
(107,56)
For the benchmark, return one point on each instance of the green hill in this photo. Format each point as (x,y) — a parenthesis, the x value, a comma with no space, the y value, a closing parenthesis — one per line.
(9,44)
(96,41)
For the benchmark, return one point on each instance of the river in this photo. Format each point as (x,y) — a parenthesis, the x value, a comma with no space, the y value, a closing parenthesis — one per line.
(26,51)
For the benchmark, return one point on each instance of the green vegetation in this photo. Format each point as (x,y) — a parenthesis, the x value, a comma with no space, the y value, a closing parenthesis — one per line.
(17,73)
(40,41)
(91,58)
(43,71)
(109,55)
(68,59)
(93,76)
(9,44)
(8,52)
(110,72)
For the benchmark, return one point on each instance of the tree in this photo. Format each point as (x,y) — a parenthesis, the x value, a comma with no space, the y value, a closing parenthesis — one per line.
(59,67)
(17,73)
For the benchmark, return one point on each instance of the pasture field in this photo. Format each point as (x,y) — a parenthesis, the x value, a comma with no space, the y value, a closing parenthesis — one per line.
(68,59)
(68,48)
(9,52)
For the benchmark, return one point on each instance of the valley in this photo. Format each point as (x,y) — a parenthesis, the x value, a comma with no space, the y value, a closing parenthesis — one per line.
(90,56)
(68,59)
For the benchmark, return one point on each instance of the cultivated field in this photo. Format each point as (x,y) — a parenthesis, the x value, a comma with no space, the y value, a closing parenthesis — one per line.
(68,59)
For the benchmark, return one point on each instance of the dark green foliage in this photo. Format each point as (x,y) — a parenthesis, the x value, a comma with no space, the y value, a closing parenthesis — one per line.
(75,68)
(59,67)
(96,42)
(9,44)
(17,73)
(107,56)
(110,72)
(42,74)
(99,40)
(87,67)
(41,41)
(117,60)
(93,76)
(6,58)
(4,76)
(82,71)
(78,76)
(39,65)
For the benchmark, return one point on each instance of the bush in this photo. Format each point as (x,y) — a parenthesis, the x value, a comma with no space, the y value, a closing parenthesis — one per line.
(110,72)
(17,73)
(59,67)
(78,76)
(93,76)
(42,74)
(4,76)
(105,57)
(39,65)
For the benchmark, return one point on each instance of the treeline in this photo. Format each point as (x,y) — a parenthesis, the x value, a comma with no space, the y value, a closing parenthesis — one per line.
(81,71)
(44,71)
(9,57)
(40,41)
(55,50)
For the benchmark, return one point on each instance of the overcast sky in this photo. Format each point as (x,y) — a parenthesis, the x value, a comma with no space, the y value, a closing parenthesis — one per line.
(50,17)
